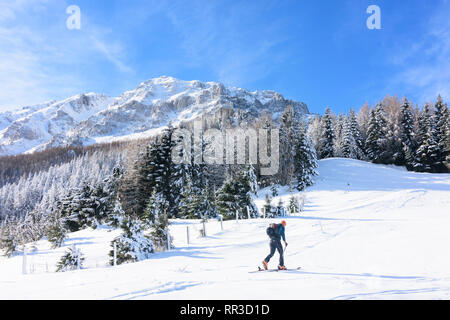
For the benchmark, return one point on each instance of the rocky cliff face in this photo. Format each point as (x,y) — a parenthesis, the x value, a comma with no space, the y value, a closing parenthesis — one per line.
(90,118)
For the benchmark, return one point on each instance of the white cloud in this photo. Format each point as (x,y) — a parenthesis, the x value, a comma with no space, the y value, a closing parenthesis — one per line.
(43,61)
(111,53)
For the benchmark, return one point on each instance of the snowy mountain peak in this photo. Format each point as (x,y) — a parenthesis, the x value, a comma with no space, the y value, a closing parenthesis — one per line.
(91,117)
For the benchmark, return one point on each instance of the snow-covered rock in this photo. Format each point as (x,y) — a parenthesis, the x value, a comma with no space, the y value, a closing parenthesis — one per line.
(90,118)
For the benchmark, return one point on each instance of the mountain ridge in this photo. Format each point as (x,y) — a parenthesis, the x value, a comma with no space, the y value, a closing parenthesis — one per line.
(91,118)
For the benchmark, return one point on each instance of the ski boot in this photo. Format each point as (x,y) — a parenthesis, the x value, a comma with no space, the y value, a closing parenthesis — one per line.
(282,268)
(265,265)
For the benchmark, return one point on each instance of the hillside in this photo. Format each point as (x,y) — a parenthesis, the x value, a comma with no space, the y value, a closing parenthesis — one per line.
(368,231)
(90,118)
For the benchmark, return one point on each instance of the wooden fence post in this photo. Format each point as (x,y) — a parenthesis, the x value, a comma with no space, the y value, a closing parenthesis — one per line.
(187,235)
(115,254)
(24,261)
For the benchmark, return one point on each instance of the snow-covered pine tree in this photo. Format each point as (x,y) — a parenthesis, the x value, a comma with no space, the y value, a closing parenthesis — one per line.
(88,207)
(136,185)
(376,135)
(56,231)
(227,199)
(305,160)
(348,143)
(373,131)
(154,205)
(280,209)
(428,150)
(268,208)
(8,242)
(274,190)
(199,206)
(407,134)
(157,218)
(363,118)
(237,194)
(293,206)
(384,156)
(326,142)
(197,182)
(116,215)
(249,190)
(132,245)
(250,177)
(393,147)
(339,136)
(169,175)
(185,199)
(110,209)
(442,123)
(71,260)
(166,174)
(160,233)
(314,131)
(357,135)
(288,131)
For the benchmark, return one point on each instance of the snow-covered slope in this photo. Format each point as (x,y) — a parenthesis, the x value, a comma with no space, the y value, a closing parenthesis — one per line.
(90,118)
(368,232)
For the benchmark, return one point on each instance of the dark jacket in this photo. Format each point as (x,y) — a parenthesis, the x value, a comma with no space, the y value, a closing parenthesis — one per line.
(279,233)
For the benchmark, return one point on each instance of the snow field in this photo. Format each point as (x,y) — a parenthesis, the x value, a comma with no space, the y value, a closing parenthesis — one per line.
(367,232)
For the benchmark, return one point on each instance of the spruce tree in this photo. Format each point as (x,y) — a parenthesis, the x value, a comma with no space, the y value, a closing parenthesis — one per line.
(427,155)
(186,198)
(305,161)
(227,199)
(376,136)
(442,139)
(288,132)
(136,185)
(132,245)
(8,241)
(71,260)
(160,233)
(326,142)
(237,194)
(293,206)
(166,174)
(268,208)
(348,144)
(56,231)
(407,135)
(357,136)
(273,190)
(200,207)
(117,214)
(382,142)
(249,190)
(280,210)
(339,136)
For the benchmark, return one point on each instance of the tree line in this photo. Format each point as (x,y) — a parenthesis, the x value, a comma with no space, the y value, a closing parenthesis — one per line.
(139,188)
(392,132)
(136,186)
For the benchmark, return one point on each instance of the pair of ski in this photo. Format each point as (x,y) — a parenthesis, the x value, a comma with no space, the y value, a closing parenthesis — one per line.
(275,270)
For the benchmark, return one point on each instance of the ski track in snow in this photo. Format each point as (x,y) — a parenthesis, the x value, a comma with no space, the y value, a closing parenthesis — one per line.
(355,240)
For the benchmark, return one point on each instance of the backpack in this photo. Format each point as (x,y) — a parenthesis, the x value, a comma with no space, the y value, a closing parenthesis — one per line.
(271,231)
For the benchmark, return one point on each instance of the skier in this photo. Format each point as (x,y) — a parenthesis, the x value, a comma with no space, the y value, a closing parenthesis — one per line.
(276,232)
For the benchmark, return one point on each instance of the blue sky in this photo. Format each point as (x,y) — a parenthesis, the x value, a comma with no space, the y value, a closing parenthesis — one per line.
(319,52)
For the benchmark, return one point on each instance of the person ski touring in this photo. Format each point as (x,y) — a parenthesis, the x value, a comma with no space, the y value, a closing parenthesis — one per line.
(276,232)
